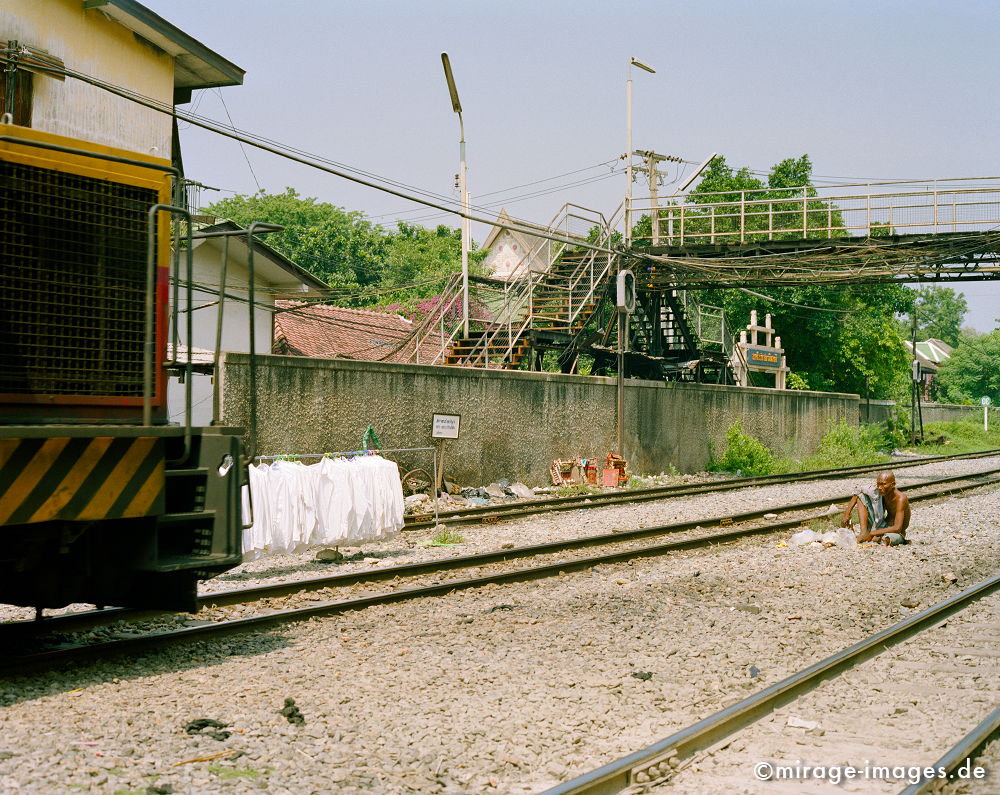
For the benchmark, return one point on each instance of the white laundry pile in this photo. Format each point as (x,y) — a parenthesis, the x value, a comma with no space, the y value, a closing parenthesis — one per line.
(336,501)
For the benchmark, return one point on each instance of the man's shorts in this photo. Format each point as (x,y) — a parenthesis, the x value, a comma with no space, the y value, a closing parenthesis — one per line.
(895,539)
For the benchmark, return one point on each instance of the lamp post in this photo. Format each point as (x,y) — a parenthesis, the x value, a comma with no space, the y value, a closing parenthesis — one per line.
(463,191)
(628,125)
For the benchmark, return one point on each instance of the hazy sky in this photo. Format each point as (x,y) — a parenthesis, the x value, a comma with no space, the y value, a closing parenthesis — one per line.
(869,89)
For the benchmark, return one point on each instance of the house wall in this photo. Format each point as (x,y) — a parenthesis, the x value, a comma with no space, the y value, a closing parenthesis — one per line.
(513,423)
(508,251)
(207,268)
(89,42)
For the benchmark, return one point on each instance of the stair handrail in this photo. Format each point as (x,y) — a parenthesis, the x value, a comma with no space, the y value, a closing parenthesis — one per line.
(513,305)
(451,292)
(554,225)
(518,289)
(586,270)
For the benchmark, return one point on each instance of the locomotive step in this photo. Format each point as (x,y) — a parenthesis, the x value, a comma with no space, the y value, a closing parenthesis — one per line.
(186,517)
(188,562)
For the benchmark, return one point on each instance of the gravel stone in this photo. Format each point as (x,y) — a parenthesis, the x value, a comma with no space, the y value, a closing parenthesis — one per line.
(503,688)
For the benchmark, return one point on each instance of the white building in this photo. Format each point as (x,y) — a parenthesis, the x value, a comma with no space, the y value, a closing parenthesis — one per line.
(276,278)
(513,253)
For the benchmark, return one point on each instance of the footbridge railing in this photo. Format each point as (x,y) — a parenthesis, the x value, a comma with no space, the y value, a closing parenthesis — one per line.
(874,209)
(514,314)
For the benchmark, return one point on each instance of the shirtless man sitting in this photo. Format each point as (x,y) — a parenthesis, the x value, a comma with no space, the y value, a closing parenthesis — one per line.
(885,508)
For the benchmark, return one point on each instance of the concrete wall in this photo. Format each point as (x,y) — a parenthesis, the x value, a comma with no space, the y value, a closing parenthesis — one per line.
(946,412)
(513,423)
(880,411)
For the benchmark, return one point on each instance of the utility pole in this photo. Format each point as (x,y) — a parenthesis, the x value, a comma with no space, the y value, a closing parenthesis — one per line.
(652,158)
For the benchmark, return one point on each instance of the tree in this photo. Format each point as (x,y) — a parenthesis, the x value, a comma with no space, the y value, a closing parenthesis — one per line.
(417,254)
(973,371)
(350,253)
(335,245)
(763,209)
(853,348)
(856,348)
(940,311)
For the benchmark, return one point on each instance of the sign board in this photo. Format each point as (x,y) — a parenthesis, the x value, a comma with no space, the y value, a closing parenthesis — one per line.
(445,426)
(760,357)
(984,401)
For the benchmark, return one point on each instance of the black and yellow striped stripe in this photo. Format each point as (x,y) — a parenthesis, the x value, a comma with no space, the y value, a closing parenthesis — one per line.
(78,478)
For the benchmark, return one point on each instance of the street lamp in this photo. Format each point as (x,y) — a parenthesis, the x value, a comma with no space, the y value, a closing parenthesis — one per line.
(464,194)
(628,167)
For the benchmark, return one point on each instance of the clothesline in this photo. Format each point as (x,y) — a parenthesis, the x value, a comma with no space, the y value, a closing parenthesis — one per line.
(292,456)
(355,453)
(335,502)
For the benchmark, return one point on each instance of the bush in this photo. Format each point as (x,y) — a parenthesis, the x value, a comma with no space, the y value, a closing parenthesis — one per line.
(846,445)
(745,454)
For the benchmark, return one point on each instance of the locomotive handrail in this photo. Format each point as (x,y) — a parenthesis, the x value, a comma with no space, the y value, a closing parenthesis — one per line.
(149,344)
(263,227)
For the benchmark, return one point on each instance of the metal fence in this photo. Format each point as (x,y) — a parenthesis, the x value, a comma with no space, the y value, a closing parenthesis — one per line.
(877,209)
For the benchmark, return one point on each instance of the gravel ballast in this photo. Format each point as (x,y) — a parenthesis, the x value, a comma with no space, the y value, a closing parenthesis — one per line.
(505,688)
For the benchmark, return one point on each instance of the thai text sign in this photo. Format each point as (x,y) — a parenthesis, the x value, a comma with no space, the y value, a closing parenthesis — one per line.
(760,357)
(445,426)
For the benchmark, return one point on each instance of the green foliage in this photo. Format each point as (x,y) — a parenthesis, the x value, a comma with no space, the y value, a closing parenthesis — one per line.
(795,381)
(335,245)
(856,349)
(940,312)
(227,772)
(881,230)
(348,252)
(846,445)
(966,436)
(445,538)
(417,254)
(745,454)
(973,371)
(778,203)
(896,430)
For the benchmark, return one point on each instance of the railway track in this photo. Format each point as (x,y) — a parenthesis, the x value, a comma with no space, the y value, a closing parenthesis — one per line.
(873,707)
(733,527)
(494,513)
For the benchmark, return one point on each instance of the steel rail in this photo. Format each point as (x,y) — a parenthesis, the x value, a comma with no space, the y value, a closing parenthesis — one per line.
(659,758)
(964,749)
(91,618)
(52,656)
(491,513)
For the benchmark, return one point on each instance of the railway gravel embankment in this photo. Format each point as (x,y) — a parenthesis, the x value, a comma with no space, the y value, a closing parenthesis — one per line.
(505,688)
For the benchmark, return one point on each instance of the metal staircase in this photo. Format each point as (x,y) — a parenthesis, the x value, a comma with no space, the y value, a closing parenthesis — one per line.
(562,305)
(555,303)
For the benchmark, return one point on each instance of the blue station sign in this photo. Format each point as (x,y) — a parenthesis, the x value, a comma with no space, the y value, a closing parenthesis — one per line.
(759,357)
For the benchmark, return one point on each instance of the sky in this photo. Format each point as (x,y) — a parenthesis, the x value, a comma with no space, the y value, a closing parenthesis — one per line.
(891,89)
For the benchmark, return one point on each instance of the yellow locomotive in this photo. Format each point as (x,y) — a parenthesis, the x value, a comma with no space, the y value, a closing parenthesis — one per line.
(101,500)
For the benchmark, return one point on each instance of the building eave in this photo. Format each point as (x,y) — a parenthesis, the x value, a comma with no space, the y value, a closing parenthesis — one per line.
(195,65)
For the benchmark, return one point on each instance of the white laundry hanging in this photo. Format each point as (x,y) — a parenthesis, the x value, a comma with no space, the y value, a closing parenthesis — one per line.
(336,501)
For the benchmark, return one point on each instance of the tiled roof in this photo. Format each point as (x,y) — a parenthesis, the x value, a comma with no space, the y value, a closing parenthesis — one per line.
(336,332)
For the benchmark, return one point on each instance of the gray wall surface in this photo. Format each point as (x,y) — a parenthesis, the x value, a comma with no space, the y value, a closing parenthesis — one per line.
(513,423)
(881,410)
(946,412)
